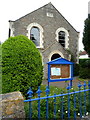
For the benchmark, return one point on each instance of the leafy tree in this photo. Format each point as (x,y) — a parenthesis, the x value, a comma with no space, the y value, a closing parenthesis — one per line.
(86,36)
(21,65)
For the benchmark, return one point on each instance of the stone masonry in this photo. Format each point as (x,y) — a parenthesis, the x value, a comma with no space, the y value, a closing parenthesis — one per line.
(12,106)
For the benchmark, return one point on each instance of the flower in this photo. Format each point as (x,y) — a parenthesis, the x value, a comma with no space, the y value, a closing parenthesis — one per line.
(78,113)
(86,113)
(58,110)
(66,111)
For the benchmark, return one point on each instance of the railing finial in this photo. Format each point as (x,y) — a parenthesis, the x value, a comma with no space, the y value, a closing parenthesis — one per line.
(84,84)
(39,91)
(79,85)
(47,90)
(30,92)
(68,87)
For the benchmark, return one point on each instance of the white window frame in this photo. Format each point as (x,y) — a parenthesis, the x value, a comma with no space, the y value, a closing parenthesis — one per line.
(41,33)
(66,36)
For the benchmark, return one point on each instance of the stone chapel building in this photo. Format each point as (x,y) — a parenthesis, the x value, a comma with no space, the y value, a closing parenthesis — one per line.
(52,34)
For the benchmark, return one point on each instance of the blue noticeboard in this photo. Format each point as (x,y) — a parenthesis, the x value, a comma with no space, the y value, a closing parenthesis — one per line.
(60,69)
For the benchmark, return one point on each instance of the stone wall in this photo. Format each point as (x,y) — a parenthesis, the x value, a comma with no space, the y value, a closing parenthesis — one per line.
(12,105)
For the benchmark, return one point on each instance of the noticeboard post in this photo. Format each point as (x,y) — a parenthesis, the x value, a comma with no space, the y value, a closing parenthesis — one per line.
(60,69)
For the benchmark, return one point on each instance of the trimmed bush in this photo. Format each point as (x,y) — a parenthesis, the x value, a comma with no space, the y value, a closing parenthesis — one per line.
(21,65)
(84,63)
(84,73)
(84,68)
(76,69)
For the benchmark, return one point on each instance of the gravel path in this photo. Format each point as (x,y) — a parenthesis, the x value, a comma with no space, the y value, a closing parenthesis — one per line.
(63,84)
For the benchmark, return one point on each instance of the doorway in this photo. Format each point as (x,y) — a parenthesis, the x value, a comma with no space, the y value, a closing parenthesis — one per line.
(55,56)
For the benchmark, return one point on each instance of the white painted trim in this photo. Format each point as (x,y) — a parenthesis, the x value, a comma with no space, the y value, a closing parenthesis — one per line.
(12,29)
(55,52)
(66,36)
(41,33)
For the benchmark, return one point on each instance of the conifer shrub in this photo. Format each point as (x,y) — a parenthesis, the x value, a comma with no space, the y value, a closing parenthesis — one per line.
(21,65)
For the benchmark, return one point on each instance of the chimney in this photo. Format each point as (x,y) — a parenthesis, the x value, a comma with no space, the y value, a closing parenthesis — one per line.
(89,9)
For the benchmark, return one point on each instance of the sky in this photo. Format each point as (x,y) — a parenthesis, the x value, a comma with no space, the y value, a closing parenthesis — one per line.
(74,11)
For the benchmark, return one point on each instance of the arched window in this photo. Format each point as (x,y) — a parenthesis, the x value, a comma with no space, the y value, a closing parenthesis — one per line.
(35,35)
(61,38)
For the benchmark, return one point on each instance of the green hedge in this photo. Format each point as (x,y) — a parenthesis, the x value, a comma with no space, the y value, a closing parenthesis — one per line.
(84,73)
(76,69)
(84,63)
(21,65)
(84,68)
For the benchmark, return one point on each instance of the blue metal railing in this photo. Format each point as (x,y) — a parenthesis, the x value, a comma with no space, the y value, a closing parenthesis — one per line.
(78,98)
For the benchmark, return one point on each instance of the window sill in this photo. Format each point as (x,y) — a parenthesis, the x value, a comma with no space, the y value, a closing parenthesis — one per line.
(40,47)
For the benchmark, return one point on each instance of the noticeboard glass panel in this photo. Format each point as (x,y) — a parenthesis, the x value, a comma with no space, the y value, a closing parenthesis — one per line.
(60,71)
(55,71)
